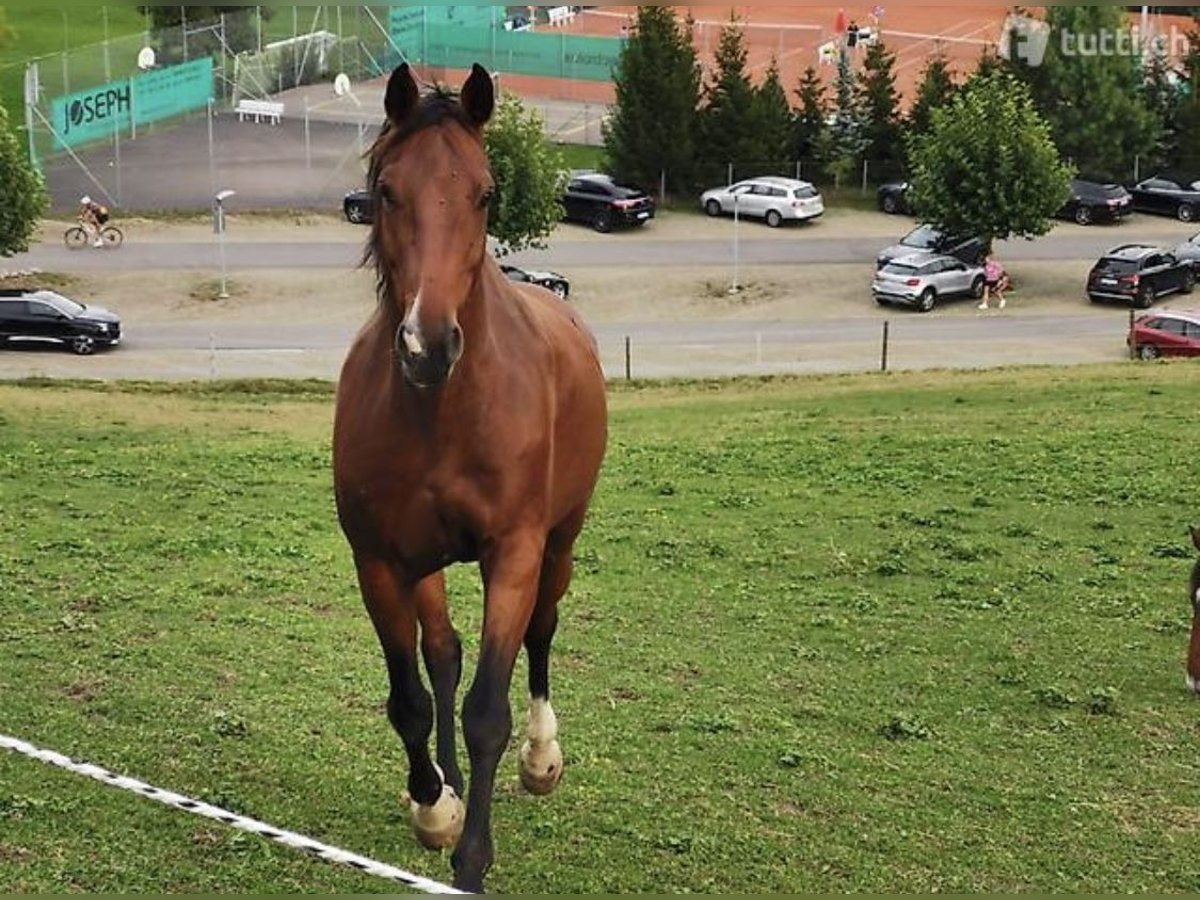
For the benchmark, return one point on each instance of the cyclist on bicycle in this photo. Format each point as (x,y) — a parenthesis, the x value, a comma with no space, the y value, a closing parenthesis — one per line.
(91,216)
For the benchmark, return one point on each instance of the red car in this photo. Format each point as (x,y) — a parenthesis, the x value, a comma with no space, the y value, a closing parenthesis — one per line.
(1165,333)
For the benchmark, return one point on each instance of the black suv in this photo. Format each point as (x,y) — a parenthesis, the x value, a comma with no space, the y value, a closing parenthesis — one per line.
(597,200)
(1138,274)
(925,237)
(44,316)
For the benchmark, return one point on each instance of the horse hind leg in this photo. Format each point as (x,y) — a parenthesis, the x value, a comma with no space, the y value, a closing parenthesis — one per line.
(541,758)
(437,811)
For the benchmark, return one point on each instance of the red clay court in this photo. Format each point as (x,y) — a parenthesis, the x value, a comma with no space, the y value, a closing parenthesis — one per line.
(793,34)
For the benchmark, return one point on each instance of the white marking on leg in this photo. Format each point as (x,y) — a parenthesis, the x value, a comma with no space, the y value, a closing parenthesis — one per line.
(542,725)
(541,755)
(1193,685)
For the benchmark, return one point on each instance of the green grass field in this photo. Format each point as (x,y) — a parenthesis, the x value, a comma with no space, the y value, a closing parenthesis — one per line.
(865,633)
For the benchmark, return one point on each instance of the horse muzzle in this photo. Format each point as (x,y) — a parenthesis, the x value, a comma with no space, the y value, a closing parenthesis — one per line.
(428,363)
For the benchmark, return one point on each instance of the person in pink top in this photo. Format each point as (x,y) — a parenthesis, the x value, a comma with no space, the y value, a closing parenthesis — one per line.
(995,281)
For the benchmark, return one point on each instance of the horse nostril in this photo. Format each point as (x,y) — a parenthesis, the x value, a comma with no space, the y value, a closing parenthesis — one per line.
(454,342)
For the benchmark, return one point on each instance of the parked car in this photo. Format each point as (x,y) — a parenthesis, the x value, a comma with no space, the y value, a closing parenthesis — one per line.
(552,281)
(49,317)
(893,198)
(1165,333)
(770,198)
(1168,195)
(1095,201)
(922,279)
(359,207)
(1189,251)
(926,237)
(1139,274)
(597,200)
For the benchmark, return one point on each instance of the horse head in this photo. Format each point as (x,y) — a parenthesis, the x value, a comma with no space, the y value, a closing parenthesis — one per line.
(432,184)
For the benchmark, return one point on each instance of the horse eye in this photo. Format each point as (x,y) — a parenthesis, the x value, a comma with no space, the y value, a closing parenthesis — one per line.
(486,199)
(385,193)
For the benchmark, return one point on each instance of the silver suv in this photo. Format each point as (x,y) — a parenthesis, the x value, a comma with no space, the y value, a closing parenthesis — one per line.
(770,198)
(922,279)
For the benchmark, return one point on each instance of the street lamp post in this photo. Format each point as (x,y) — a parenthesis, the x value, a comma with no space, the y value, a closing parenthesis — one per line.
(736,221)
(219,227)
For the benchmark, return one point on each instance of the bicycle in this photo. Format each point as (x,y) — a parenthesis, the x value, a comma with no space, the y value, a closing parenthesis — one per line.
(76,237)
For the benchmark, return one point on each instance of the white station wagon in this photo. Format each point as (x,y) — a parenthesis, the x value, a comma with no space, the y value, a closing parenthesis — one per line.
(770,198)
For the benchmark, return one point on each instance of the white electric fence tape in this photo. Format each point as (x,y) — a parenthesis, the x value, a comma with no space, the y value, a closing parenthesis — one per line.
(279,835)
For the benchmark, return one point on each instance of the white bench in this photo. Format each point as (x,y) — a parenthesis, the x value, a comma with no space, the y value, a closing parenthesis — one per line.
(560,15)
(260,109)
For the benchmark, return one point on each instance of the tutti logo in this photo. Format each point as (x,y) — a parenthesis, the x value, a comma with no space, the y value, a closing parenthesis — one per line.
(96,107)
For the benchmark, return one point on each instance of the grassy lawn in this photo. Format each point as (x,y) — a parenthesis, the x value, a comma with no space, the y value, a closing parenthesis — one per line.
(864,633)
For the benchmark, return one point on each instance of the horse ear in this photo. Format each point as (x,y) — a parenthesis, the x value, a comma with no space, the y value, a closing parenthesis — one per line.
(402,95)
(478,95)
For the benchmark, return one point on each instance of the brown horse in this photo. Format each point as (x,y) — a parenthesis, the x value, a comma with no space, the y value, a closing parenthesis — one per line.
(1193,663)
(471,424)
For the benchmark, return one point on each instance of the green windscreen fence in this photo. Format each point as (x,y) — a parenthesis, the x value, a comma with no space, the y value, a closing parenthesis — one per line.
(121,106)
(454,37)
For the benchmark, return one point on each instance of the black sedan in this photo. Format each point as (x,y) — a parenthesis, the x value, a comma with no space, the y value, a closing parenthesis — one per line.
(359,207)
(551,281)
(47,317)
(598,200)
(1168,195)
(1095,201)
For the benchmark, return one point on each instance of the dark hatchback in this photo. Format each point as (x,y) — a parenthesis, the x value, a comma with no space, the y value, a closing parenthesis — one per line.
(597,200)
(49,317)
(551,281)
(926,237)
(1138,274)
(1095,201)
(892,198)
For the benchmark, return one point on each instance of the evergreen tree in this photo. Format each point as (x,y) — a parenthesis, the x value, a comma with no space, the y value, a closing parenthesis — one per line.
(937,89)
(989,63)
(1186,155)
(810,117)
(775,123)
(1094,102)
(1162,97)
(23,191)
(653,125)
(988,166)
(727,118)
(843,141)
(880,104)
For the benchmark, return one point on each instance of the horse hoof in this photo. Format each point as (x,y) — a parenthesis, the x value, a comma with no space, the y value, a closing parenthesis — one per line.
(541,767)
(439,825)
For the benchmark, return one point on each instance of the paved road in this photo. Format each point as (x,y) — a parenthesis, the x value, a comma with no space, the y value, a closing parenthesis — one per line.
(622,249)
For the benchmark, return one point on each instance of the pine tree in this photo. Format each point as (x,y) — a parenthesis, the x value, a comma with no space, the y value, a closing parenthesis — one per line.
(727,118)
(653,126)
(1186,156)
(937,89)
(810,117)
(1094,102)
(1162,97)
(775,123)
(842,143)
(880,104)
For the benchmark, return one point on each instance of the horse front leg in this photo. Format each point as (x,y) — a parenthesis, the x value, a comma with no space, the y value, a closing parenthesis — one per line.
(510,574)
(442,651)
(392,603)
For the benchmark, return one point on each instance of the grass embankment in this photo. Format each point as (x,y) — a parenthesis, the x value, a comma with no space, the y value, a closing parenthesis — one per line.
(902,633)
